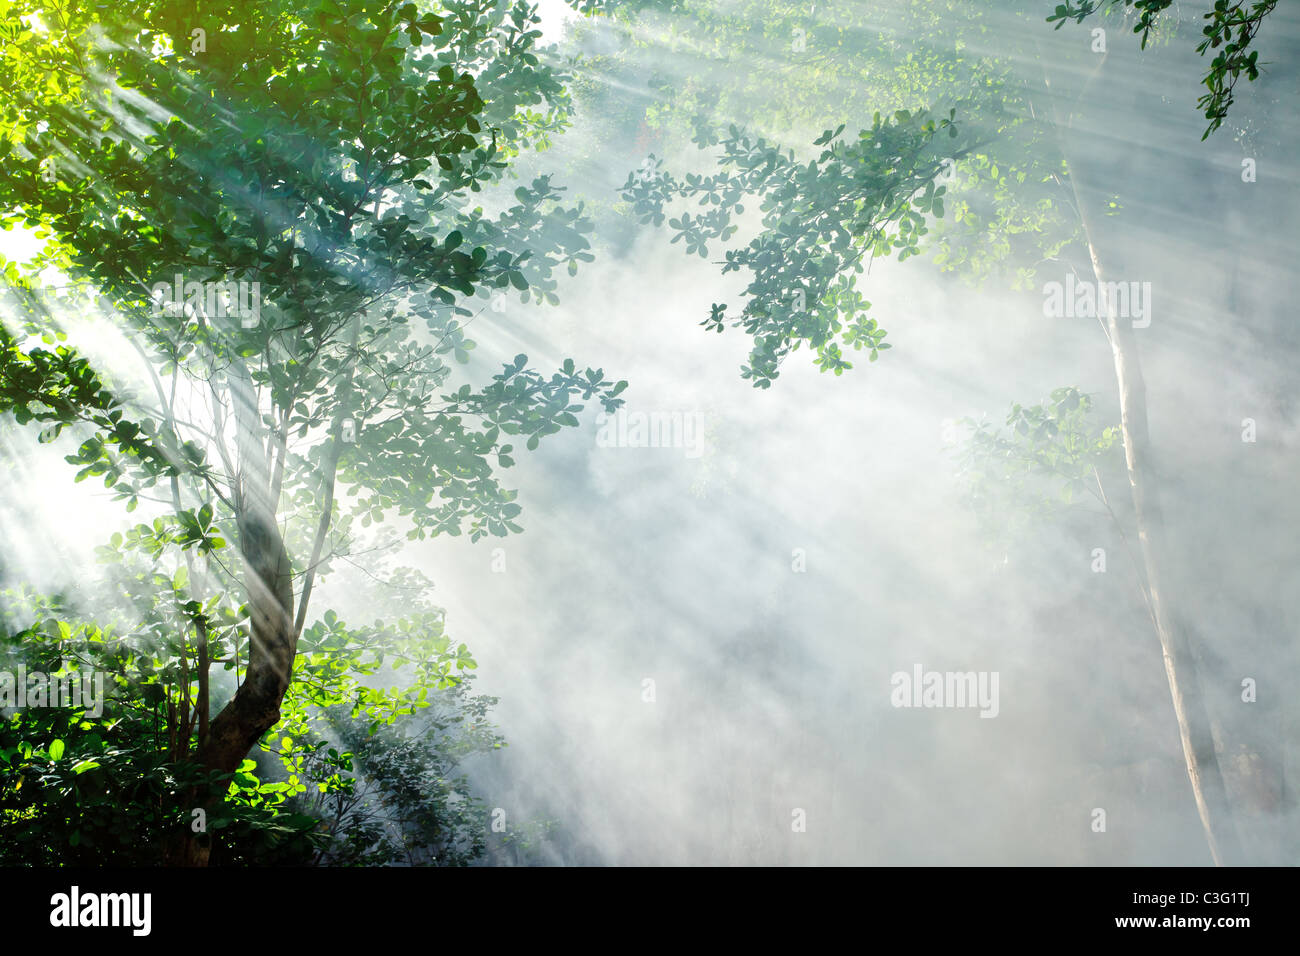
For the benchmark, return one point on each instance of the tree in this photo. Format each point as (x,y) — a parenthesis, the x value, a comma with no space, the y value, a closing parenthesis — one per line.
(278,203)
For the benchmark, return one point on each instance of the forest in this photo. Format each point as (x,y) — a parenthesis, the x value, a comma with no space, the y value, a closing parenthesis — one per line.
(648,433)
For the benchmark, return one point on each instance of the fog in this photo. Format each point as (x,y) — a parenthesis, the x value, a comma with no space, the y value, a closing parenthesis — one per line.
(695,649)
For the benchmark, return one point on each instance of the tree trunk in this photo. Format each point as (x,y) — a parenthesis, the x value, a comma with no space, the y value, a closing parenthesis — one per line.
(1194,725)
(273,643)
(255,708)
(1195,728)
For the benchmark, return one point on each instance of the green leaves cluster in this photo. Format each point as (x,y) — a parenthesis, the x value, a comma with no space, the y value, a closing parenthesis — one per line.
(823,222)
(1041,459)
(326,152)
(1232,25)
(113,788)
(76,788)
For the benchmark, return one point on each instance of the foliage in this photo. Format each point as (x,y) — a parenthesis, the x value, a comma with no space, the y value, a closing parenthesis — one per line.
(83,789)
(395,794)
(859,199)
(527,843)
(380,710)
(1041,459)
(1006,206)
(1233,25)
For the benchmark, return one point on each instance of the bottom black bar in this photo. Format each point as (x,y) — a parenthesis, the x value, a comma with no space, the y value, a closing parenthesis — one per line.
(364,905)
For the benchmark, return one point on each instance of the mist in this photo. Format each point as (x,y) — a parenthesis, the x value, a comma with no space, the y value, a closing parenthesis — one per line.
(696,646)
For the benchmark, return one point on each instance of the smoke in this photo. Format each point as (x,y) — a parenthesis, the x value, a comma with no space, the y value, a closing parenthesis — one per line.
(694,652)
